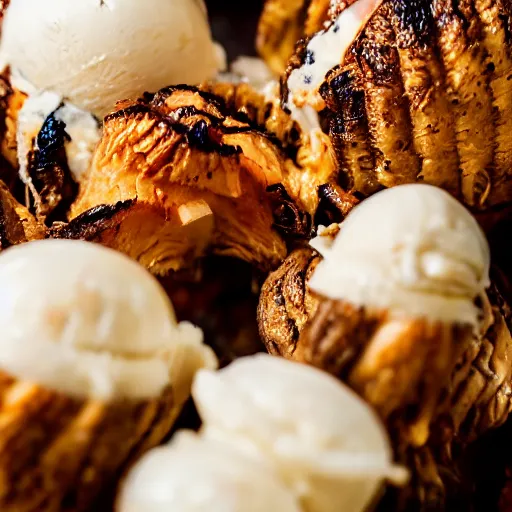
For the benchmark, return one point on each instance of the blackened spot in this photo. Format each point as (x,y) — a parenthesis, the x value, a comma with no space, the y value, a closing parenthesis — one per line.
(55,188)
(268,111)
(491,67)
(289,219)
(336,28)
(4,239)
(209,175)
(279,300)
(202,137)
(415,18)
(50,140)
(198,135)
(310,58)
(308,79)
(295,333)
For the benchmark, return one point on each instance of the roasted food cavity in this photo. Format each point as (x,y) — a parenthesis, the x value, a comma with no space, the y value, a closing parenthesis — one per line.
(313,463)
(422,94)
(94,371)
(221,297)
(189,178)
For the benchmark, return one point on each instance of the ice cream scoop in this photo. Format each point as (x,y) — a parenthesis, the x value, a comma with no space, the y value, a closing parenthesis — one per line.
(327,444)
(89,322)
(94,371)
(412,249)
(93,53)
(197,474)
(70,62)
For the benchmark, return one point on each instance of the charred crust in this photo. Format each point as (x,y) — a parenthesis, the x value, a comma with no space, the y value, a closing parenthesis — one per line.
(416,21)
(54,186)
(289,219)
(91,223)
(334,205)
(285,302)
(404,99)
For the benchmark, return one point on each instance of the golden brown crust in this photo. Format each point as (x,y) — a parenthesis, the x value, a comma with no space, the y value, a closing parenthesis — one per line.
(437,387)
(424,95)
(181,147)
(58,453)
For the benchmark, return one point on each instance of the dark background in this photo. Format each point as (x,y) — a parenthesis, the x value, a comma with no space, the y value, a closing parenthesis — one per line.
(234,24)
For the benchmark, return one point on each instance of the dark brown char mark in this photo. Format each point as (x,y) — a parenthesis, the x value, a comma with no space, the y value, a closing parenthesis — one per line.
(452,77)
(349,128)
(468,90)
(386,105)
(496,18)
(432,120)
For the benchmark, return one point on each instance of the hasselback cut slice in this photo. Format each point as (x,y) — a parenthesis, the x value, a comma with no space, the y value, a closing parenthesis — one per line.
(422,94)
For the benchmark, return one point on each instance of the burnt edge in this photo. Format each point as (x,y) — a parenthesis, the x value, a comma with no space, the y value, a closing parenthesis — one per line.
(91,223)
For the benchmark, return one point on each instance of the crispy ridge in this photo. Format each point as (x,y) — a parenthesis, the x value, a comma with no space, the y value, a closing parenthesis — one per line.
(59,453)
(424,95)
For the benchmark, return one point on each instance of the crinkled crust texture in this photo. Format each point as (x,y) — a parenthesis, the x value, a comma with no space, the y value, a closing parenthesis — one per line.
(424,94)
(173,151)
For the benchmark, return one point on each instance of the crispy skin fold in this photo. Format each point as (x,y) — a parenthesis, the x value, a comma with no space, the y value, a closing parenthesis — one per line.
(425,94)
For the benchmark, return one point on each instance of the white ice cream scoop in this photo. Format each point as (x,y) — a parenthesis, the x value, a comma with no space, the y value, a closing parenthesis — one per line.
(90,322)
(328,445)
(96,52)
(411,249)
(197,474)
